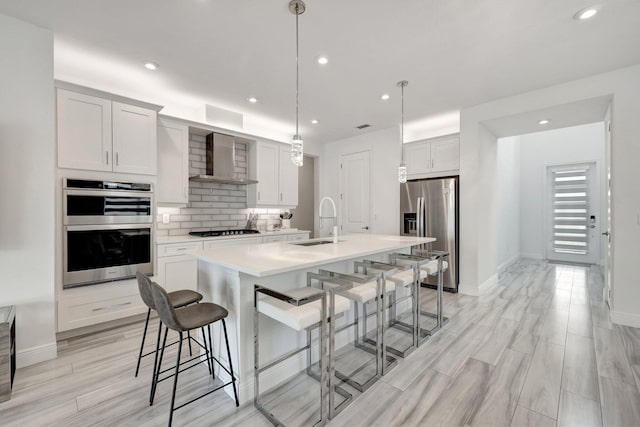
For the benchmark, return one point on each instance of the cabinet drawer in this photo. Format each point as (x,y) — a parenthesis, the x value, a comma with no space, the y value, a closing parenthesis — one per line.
(178,248)
(303,236)
(269,239)
(231,242)
(76,314)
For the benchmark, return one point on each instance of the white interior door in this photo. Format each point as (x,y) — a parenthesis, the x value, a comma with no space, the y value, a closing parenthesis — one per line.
(355,192)
(573,211)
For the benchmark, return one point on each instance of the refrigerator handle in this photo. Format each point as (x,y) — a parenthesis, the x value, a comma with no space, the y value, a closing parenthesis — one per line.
(420,217)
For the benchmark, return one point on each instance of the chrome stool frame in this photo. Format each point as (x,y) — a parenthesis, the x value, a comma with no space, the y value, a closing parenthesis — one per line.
(424,257)
(383,362)
(257,369)
(393,301)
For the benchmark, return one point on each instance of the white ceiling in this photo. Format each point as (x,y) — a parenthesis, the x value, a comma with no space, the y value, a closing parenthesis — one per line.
(454,53)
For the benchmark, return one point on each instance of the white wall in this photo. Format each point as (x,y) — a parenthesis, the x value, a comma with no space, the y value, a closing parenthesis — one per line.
(508,201)
(27,156)
(385,189)
(541,149)
(624,87)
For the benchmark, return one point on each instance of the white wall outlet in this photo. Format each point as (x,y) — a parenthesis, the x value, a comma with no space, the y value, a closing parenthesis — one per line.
(165,218)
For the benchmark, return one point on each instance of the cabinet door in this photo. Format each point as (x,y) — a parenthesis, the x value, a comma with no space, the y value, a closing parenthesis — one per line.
(446,154)
(417,158)
(173,163)
(134,139)
(179,272)
(288,180)
(84,131)
(267,174)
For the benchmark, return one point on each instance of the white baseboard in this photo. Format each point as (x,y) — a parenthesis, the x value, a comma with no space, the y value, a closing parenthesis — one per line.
(508,263)
(626,319)
(531,255)
(476,291)
(34,355)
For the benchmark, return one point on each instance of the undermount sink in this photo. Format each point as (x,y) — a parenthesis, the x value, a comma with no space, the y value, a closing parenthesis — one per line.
(314,243)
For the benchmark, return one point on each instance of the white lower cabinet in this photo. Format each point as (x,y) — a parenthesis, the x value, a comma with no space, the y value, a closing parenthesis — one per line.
(177,270)
(91,305)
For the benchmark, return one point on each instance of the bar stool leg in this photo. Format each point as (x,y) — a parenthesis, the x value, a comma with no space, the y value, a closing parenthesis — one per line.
(189,339)
(155,364)
(175,380)
(233,377)
(144,336)
(206,348)
(159,367)
(213,371)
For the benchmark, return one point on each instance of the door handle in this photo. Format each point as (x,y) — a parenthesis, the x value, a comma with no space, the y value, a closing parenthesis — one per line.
(366,227)
(606,233)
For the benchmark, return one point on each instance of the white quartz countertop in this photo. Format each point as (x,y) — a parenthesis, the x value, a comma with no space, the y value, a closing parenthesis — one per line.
(187,238)
(282,257)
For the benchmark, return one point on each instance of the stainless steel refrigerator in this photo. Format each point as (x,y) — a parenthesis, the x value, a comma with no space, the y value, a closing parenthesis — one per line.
(429,207)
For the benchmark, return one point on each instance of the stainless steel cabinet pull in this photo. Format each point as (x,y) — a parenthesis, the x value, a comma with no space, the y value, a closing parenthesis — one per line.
(280,196)
(186,192)
(606,233)
(107,157)
(258,195)
(112,306)
(366,227)
(117,162)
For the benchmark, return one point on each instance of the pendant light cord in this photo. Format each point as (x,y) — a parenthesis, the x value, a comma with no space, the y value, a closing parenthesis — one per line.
(297,70)
(402,124)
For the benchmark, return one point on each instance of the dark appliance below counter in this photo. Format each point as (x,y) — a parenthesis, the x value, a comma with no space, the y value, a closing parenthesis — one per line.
(217,233)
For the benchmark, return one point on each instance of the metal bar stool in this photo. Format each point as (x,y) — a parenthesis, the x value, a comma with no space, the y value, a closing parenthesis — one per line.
(299,309)
(179,299)
(432,263)
(186,319)
(335,287)
(408,277)
(366,288)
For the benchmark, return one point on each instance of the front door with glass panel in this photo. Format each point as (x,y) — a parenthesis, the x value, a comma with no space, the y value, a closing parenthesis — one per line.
(573,213)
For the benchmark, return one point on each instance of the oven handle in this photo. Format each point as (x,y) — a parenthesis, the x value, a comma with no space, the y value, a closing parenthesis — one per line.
(106,227)
(108,193)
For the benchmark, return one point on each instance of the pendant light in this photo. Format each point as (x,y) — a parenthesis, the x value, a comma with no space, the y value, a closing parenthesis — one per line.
(402,169)
(297,7)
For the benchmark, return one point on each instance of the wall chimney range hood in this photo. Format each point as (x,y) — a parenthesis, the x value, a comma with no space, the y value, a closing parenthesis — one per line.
(221,161)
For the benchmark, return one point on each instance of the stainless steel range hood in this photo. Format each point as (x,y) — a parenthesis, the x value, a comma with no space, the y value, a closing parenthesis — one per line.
(221,161)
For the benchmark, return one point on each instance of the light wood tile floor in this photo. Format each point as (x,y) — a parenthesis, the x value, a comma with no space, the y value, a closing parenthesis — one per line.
(537,349)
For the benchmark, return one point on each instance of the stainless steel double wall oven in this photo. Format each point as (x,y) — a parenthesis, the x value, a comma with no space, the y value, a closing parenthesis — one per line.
(107,231)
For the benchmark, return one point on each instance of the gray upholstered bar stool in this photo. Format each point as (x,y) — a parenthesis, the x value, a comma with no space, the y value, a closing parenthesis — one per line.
(432,263)
(367,288)
(300,309)
(408,276)
(180,298)
(183,320)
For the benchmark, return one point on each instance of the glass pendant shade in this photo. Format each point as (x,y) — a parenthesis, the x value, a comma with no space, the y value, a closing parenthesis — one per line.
(402,173)
(297,157)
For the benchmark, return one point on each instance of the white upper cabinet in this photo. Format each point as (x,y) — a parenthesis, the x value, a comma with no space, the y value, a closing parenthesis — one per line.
(270,165)
(95,133)
(288,181)
(417,158)
(432,157)
(173,163)
(134,139)
(84,131)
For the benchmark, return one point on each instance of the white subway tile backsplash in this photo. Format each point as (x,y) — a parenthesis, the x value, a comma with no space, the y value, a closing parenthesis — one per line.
(214,205)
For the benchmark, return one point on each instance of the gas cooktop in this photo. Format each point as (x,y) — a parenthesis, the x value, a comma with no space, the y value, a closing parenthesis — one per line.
(215,233)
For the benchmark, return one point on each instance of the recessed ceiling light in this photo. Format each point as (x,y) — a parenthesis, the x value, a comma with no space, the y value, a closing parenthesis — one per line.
(586,13)
(323,60)
(252,100)
(384,96)
(314,121)
(544,122)
(151,65)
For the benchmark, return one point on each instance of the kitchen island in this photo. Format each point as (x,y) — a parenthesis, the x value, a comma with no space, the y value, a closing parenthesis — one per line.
(227,276)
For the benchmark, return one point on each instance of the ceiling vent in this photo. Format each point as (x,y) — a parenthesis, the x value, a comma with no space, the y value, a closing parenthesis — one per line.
(363,126)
